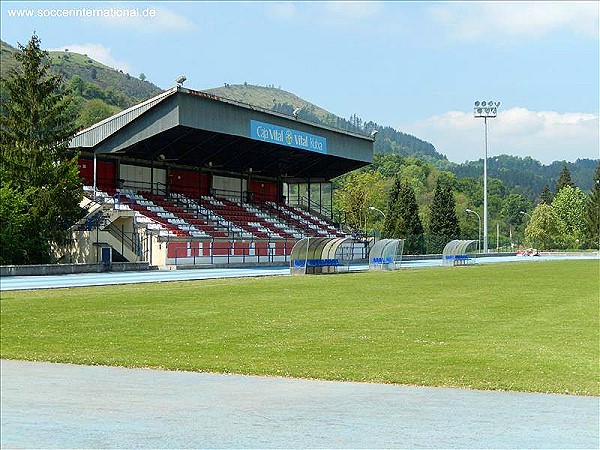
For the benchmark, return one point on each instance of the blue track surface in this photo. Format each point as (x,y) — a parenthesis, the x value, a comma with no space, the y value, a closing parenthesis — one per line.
(147,276)
(108,278)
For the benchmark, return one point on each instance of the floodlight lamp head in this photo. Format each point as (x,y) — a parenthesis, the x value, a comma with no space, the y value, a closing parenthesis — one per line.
(468,210)
(161,157)
(180,80)
(296,112)
(486,109)
(374,133)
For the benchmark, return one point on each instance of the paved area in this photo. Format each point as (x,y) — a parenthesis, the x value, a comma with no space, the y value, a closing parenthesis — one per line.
(47,405)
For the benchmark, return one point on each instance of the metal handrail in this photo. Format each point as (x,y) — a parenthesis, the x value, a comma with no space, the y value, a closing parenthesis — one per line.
(135,245)
(313,207)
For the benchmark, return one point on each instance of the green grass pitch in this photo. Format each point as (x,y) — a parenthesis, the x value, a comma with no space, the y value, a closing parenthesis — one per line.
(512,326)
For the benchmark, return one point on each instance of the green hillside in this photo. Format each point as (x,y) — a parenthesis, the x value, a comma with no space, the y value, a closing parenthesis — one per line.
(528,176)
(389,140)
(269,97)
(7,61)
(95,80)
(105,78)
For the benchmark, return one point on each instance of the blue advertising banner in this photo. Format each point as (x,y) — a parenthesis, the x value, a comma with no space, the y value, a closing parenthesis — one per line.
(286,136)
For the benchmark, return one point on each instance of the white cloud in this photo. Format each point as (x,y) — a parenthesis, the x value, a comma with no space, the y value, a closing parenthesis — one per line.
(471,21)
(97,52)
(147,19)
(281,10)
(339,14)
(168,20)
(345,11)
(543,135)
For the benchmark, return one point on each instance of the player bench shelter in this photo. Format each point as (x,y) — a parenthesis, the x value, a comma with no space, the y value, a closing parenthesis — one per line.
(386,254)
(312,256)
(456,253)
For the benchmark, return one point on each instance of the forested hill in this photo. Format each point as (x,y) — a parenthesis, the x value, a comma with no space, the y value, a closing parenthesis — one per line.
(90,79)
(528,176)
(388,139)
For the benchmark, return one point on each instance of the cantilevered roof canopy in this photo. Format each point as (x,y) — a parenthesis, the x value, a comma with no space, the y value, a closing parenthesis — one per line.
(193,128)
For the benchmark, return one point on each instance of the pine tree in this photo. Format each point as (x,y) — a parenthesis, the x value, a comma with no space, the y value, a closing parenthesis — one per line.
(408,225)
(546,196)
(564,179)
(444,225)
(592,216)
(36,121)
(38,172)
(402,220)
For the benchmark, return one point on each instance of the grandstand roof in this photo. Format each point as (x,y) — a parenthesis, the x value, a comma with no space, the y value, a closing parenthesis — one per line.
(193,128)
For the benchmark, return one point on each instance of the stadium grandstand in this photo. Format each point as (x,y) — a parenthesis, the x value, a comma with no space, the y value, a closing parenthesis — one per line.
(189,178)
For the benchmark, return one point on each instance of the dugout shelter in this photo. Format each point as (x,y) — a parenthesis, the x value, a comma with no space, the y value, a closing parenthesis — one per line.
(312,256)
(386,254)
(459,252)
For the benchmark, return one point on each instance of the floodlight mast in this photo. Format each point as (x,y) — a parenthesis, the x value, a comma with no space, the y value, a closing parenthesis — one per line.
(487,110)
(470,211)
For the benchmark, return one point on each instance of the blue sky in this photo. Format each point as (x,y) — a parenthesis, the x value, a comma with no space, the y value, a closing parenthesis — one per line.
(415,66)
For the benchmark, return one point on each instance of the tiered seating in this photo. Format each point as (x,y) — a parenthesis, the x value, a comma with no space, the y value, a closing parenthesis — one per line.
(106,197)
(232,217)
(179,219)
(272,223)
(156,213)
(250,218)
(322,225)
(309,224)
(215,217)
(202,218)
(121,201)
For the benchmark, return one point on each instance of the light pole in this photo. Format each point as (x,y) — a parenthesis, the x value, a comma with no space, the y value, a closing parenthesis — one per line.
(372,208)
(486,110)
(470,211)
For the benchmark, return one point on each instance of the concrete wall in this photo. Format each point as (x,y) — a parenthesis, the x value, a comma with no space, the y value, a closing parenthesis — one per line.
(62,269)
